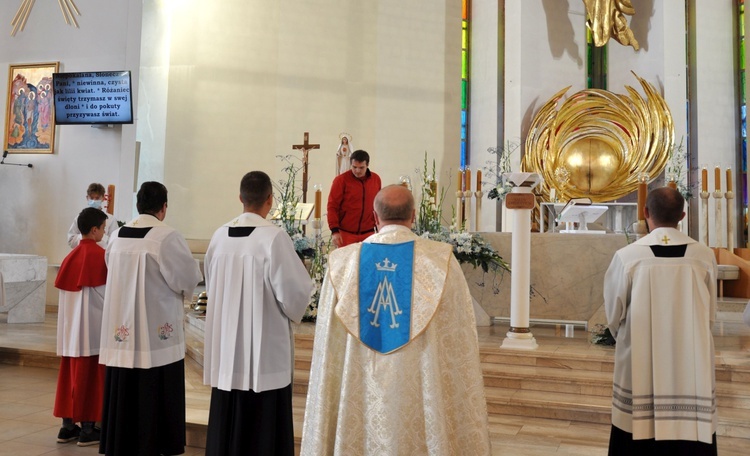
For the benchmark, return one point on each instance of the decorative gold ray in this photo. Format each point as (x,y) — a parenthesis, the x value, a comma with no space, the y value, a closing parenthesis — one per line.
(68,7)
(600,141)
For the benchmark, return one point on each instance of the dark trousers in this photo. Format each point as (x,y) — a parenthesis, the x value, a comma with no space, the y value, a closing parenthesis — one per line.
(250,423)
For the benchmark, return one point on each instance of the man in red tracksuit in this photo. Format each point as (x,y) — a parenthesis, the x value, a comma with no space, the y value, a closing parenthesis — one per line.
(350,210)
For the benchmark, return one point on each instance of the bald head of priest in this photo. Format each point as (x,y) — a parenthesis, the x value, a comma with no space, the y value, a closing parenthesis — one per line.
(664,208)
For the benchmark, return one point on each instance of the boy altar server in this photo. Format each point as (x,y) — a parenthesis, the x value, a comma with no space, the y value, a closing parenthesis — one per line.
(256,286)
(94,198)
(151,270)
(80,383)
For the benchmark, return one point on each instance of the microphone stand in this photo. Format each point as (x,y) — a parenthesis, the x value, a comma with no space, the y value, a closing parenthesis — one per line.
(5,154)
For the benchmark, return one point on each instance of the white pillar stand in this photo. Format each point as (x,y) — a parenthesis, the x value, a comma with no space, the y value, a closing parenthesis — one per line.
(718,196)
(520,337)
(459,214)
(704,217)
(317,229)
(478,215)
(468,218)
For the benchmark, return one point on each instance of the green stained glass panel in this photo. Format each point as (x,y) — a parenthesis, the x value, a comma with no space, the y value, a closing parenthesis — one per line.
(464,93)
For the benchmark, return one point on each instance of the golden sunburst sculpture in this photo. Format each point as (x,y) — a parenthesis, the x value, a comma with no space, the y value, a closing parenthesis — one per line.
(599,141)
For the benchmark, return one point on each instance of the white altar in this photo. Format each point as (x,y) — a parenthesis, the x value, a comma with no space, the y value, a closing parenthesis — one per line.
(23,284)
(618,217)
(567,277)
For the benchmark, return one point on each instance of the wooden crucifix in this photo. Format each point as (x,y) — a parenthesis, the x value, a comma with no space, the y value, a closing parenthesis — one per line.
(305,147)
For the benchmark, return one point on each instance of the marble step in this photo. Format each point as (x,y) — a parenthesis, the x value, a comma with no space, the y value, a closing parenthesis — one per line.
(541,404)
(548,379)
(31,358)
(597,360)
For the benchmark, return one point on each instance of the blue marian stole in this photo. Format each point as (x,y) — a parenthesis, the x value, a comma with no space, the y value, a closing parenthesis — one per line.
(385,295)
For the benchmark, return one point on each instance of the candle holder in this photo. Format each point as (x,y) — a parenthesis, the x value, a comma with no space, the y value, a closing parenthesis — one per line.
(467,213)
(316,224)
(459,210)
(718,196)
(704,213)
(642,193)
(478,213)
(730,220)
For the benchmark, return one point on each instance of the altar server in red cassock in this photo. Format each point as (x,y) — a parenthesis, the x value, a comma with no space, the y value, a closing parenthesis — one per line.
(80,384)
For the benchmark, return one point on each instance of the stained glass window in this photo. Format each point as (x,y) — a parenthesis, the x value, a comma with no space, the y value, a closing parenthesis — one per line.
(464,81)
(743,111)
(596,63)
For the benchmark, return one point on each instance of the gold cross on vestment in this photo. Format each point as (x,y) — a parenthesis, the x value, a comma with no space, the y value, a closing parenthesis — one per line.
(235,222)
(135,222)
(665,239)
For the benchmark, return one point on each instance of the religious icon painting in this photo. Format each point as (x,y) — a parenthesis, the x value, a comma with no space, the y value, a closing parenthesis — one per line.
(29,116)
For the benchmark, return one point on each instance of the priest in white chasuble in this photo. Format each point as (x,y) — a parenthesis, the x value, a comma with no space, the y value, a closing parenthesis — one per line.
(660,300)
(395,366)
(256,286)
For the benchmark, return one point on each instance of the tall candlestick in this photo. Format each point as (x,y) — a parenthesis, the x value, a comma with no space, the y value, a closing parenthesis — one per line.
(111,199)
(729,179)
(672,184)
(318,199)
(467,174)
(717,178)
(459,182)
(704,179)
(642,191)
(479,180)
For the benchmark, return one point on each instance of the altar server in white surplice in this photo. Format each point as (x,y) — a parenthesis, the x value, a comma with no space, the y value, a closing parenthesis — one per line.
(256,286)
(660,300)
(150,271)
(395,366)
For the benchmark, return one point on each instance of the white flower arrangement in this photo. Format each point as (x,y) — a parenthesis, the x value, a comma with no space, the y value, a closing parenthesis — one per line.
(500,167)
(313,249)
(467,247)
(676,169)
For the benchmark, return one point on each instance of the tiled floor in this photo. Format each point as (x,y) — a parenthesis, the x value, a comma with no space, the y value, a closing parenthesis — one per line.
(27,426)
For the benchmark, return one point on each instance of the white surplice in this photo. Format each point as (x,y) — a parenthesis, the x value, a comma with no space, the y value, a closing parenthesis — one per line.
(426,397)
(142,322)
(256,285)
(79,316)
(661,310)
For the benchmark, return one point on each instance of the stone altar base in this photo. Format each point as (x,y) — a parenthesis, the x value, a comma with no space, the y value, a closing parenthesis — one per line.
(23,287)
(567,277)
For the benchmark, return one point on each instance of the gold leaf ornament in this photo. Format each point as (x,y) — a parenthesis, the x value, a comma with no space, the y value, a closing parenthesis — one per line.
(600,141)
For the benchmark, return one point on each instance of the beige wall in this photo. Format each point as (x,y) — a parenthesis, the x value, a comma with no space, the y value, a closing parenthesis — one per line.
(236,83)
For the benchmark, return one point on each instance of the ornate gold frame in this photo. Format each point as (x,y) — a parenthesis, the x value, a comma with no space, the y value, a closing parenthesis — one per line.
(30,110)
